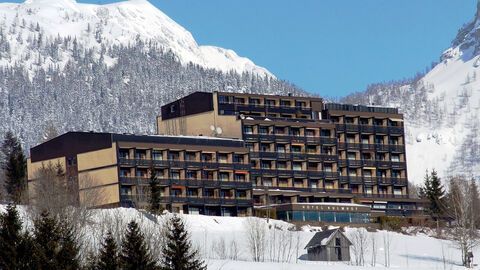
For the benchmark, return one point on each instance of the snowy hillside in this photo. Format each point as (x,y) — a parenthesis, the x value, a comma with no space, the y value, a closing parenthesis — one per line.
(441,109)
(95,26)
(223,242)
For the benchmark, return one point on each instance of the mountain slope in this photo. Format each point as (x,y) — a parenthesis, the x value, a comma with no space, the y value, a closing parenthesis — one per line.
(95,26)
(441,109)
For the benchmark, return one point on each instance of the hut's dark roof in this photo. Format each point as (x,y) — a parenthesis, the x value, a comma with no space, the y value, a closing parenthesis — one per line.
(319,236)
(322,238)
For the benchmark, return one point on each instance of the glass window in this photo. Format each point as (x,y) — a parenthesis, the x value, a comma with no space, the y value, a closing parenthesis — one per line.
(263,130)
(329,217)
(248,130)
(298,216)
(312,215)
(281,148)
(157,155)
(395,158)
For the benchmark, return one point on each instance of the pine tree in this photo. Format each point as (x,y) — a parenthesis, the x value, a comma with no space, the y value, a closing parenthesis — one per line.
(135,253)
(10,238)
(154,191)
(67,256)
(108,257)
(47,237)
(55,245)
(434,192)
(178,251)
(14,165)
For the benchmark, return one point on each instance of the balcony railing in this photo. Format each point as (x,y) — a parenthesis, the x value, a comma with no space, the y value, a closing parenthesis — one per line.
(373,180)
(292,155)
(288,138)
(181,164)
(187,182)
(189,200)
(294,173)
(369,129)
(304,189)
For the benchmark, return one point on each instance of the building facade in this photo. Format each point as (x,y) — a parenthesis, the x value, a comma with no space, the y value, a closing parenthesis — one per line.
(197,175)
(303,150)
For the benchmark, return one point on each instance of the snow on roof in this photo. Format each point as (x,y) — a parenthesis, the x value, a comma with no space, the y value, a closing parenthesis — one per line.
(192,137)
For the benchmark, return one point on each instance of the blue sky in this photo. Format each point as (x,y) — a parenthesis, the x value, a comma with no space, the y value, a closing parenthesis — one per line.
(328,47)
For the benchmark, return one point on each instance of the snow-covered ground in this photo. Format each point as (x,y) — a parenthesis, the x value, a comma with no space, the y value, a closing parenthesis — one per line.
(221,238)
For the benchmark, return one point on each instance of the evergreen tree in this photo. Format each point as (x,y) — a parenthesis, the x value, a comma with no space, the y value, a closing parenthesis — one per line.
(178,251)
(108,257)
(10,238)
(434,193)
(55,245)
(135,253)
(47,237)
(67,256)
(154,191)
(14,166)
(475,203)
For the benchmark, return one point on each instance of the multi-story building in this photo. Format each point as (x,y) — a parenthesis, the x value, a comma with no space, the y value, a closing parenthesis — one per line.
(305,151)
(197,174)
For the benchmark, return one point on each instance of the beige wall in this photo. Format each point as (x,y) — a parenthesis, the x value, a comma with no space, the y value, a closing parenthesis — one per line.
(32,168)
(99,196)
(98,177)
(194,125)
(99,158)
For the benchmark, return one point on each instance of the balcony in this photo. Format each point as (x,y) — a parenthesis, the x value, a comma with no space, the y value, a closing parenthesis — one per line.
(305,189)
(181,164)
(369,129)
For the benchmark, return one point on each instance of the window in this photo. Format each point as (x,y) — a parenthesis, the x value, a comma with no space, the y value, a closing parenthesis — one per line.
(365,139)
(350,138)
(254,101)
(140,154)
(378,122)
(285,103)
(395,158)
(363,121)
(393,140)
(351,156)
(327,167)
(141,173)
(296,148)
(312,166)
(192,192)
(267,182)
(395,173)
(207,157)
(282,165)
(280,130)
(281,148)
(310,133)
(123,153)
(313,183)
(190,156)
(222,158)
(297,166)
(298,183)
(239,100)
(270,102)
(367,173)
(248,129)
(157,155)
(263,130)
(264,147)
(223,176)
(266,164)
(207,175)
(173,108)
(349,120)
(124,173)
(250,146)
(380,156)
(397,191)
(295,131)
(174,174)
(173,155)
(241,194)
(282,182)
(240,177)
(301,104)
(238,159)
(368,190)
(379,139)
(176,192)
(325,133)
(191,174)
(312,149)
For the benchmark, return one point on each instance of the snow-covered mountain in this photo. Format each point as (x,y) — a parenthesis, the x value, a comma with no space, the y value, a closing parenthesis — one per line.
(95,26)
(442,109)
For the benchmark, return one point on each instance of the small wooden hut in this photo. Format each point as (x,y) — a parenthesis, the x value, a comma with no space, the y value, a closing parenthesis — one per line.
(330,245)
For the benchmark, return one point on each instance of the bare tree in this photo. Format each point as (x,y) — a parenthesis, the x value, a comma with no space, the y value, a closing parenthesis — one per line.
(373,241)
(461,199)
(256,232)
(387,240)
(359,239)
